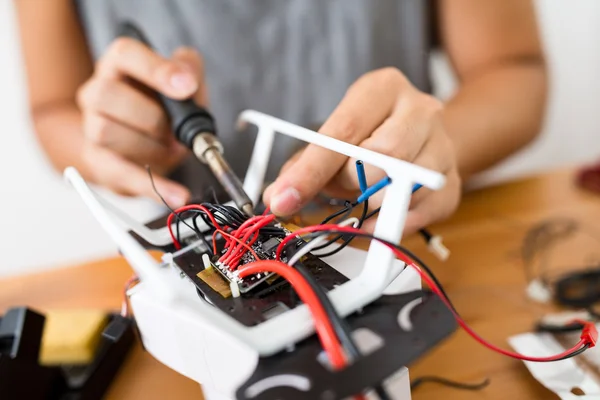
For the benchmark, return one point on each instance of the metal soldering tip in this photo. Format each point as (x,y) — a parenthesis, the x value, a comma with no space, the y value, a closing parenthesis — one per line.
(248,209)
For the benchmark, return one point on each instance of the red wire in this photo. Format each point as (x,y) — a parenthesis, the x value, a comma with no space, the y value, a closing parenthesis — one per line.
(482,341)
(187,208)
(246,224)
(588,336)
(237,233)
(238,250)
(240,243)
(323,326)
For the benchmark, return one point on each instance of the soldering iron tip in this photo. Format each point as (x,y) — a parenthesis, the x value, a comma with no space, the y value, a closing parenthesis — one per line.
(248,210)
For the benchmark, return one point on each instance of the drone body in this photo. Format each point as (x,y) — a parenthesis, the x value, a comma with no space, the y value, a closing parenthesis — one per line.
(256,340)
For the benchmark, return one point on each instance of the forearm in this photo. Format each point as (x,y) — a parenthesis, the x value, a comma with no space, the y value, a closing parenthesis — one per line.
(496,113)
(59,131)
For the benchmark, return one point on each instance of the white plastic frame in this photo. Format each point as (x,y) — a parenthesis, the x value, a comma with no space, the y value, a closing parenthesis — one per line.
(278,333)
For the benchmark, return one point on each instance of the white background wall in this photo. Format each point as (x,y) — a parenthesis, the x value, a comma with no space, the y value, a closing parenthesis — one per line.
(43,224)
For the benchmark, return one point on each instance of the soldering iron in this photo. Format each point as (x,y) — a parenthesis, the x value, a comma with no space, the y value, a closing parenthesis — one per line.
(195,127)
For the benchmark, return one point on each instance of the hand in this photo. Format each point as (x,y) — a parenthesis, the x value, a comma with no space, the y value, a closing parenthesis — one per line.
(125,128)
(382,112)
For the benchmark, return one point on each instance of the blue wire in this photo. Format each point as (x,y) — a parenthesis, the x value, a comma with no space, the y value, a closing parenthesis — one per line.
(380,185)
(366,191)
(373,189)
(362,177)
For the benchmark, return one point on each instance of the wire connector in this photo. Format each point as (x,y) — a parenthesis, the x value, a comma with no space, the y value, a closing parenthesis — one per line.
(589,333)
(437,247)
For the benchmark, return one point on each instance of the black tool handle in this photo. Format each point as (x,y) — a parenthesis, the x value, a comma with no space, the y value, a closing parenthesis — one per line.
(187,118)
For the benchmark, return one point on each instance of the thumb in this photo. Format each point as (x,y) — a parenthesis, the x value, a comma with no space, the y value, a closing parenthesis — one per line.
(192,60)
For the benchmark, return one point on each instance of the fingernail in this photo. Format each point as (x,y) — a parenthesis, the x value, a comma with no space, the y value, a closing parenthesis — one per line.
(183,82)
(285,202)
(176,200)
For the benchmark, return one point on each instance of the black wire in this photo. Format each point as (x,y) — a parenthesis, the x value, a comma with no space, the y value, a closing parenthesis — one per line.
(340,326)
(421,264)
(348,206)
(575,353)
(540,239)
(348,210)
(195,228)
(162,199)
(373,213)
(349,238)
(426,235)
(214,194)
(403,249)
(447,382)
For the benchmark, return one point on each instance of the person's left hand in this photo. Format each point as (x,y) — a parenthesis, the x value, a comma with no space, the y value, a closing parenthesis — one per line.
(382,112)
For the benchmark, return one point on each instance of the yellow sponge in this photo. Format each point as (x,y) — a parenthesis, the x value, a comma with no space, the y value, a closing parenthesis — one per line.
(71,336)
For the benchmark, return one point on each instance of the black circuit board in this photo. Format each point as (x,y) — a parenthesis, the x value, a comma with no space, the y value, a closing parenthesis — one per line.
(249,283)
(265,248)
(262,302)
(265,300)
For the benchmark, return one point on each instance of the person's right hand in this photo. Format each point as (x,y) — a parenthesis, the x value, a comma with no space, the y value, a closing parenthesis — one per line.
(124,126)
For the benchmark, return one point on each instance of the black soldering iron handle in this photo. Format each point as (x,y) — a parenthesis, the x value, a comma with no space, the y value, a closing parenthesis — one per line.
(187,118)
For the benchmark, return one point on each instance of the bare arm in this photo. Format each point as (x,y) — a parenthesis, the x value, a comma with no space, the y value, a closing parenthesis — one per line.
(495,49)
(93,116)
(57,63)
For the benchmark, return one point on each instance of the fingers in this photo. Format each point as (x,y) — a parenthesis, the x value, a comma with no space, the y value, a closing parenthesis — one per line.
(127,178)
(364,107)
(413,129)
(125,126)
(123,104)
(427,206)
(437,206)
(128,58)
(193,60)
(132,144)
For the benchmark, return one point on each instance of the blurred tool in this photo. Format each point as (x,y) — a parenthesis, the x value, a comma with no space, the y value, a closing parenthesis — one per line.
(71,355)
(195,127)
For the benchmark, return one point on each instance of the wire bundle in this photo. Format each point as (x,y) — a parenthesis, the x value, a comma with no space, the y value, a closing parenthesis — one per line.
(239,232)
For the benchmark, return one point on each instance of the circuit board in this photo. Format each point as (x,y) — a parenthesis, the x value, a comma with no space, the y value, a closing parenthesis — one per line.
(266,299)
(265,249)
(261,297)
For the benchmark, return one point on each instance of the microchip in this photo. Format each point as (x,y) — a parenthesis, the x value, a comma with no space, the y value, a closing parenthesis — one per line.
(270,245)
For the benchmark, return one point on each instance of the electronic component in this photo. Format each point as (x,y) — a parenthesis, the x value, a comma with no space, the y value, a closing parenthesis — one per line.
(270,245)
(258,295)
(216,281)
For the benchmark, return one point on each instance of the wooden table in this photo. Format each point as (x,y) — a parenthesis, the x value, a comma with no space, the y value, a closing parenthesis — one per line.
(484,277)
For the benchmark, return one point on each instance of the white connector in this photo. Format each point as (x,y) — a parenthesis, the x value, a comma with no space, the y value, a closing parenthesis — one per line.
(206,261)
(437,247)
(538,291)
(235,289)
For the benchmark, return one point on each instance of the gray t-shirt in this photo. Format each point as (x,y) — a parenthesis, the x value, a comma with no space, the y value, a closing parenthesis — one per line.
(293,59)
